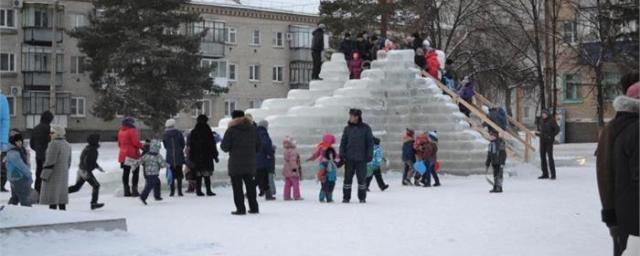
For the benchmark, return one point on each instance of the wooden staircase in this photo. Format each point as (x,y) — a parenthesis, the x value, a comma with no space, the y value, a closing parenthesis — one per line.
(517,146)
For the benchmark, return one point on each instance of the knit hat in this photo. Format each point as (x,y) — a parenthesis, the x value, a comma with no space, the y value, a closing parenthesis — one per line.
(93,139)
(426,43)
(237,113)
(328,138)
(263,124)
(376,141)
(288,142)
(58,132)
(202,119)
(634,91)
(248,116)
(433,136)
(355,112)
(170,123)
(128,121)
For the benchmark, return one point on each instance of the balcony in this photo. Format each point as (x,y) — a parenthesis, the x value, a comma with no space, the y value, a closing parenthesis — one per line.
(41,36)
(300,55)
(36,102)
(40,80)
(212,49)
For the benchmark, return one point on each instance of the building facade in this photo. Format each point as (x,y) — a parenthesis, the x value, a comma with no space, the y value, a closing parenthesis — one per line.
(257,53)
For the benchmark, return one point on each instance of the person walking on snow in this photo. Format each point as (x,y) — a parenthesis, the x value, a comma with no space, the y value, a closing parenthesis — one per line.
(547,131)
(356,149)
(408,156)
(88,163)
(496,158)
(174,144)
(430,157)
(202,153)
(152,162)
(374,167)
(291,170)
(264,158)
(130,146)
(55,172)
(39,141)
(242,143)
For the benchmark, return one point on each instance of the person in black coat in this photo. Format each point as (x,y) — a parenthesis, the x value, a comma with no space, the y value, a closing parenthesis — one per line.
(88,163)
(242,143)
(202,153)
(356,149)
(39,142)
(363,46)
(317,46)
(548,130)
(264,159)
(174,144)
(496,158)
(347,46)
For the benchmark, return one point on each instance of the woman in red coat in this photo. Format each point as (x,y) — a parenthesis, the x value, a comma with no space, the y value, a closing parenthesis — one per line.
(129,146)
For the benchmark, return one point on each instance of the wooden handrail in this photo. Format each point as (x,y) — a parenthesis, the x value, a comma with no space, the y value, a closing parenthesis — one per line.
(479,113)
(520,126)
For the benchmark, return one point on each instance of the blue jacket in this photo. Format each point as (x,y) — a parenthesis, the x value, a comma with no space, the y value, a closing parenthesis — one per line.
(378,157)
(5,124)
(408,153)
(266,155)
(174,144)
(17,169)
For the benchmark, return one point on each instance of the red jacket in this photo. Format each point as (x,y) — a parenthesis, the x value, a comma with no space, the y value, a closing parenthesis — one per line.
(425,149)
(128,143)
(355,68)
(433,65)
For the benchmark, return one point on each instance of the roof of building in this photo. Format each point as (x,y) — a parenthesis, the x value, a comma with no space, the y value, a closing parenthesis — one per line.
(265,6)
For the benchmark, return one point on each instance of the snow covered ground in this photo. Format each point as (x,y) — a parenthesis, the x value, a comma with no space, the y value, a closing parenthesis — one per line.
(532,217)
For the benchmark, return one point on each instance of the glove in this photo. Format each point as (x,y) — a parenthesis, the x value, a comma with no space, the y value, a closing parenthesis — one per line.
(217,160)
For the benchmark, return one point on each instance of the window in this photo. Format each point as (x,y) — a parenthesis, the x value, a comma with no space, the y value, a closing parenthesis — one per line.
(232,72)
(526,112)
(300,37)
(7,62)
(255,37)
(40,62)
(7,18)
(255,103)
(215,30)
(569,31)
(41,18)
(300,73)
(278,39)
(229,106)
(77,20)
(610,86)
(12,105)
(277,73)
(231,35)
(201,107)
(572,88)
(254,72)
(77,64)
(78,106)
(218,68)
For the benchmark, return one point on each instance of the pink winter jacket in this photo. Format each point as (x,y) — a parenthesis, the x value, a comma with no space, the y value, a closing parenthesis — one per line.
(291,157)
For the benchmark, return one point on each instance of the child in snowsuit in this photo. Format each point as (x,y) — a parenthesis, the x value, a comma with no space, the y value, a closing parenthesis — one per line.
(291,170)
(425,151)
(326,156)
(496,158)
(355,66)
(373,167)
(152,162)
(408,157)
(18,171)
(431,145)
(88,163)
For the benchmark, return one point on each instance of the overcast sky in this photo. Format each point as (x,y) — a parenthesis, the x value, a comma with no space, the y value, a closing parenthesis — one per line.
(308,6)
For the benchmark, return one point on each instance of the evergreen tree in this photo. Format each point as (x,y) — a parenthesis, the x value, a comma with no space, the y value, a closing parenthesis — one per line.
(144,59)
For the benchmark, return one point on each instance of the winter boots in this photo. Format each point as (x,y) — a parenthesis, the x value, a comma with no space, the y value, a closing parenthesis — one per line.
(496,189)
(96,205)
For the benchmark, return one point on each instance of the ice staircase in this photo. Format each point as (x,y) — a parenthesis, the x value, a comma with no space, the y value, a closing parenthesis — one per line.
(392,95)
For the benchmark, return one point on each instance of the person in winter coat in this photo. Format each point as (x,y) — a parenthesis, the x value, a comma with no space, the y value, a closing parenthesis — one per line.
(373,167)
(264,159)
(18,172)
(317,46)
(617,166)
(88,163)
(202,153)
(242,143)
(355,66)
(408,156)
(39,141)
(174,144)
(363,46)
(3,172)
(547,131)
(419,59)
(130,146)
(356,149)
(427,151)
(498,116)
(328,161)
(450,77)
(347,46)
(152,162)
(433,65)
(291,170)
(466,92)
(55,173)
(389,45)
(496,158)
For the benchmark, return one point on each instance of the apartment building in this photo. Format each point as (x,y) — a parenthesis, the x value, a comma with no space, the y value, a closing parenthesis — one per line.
(257,53)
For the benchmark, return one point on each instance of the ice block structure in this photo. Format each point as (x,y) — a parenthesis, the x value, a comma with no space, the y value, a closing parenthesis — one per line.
(391,95)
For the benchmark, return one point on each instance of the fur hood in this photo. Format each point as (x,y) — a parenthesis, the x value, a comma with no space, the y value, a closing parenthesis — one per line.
(626,104)
(240,121)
